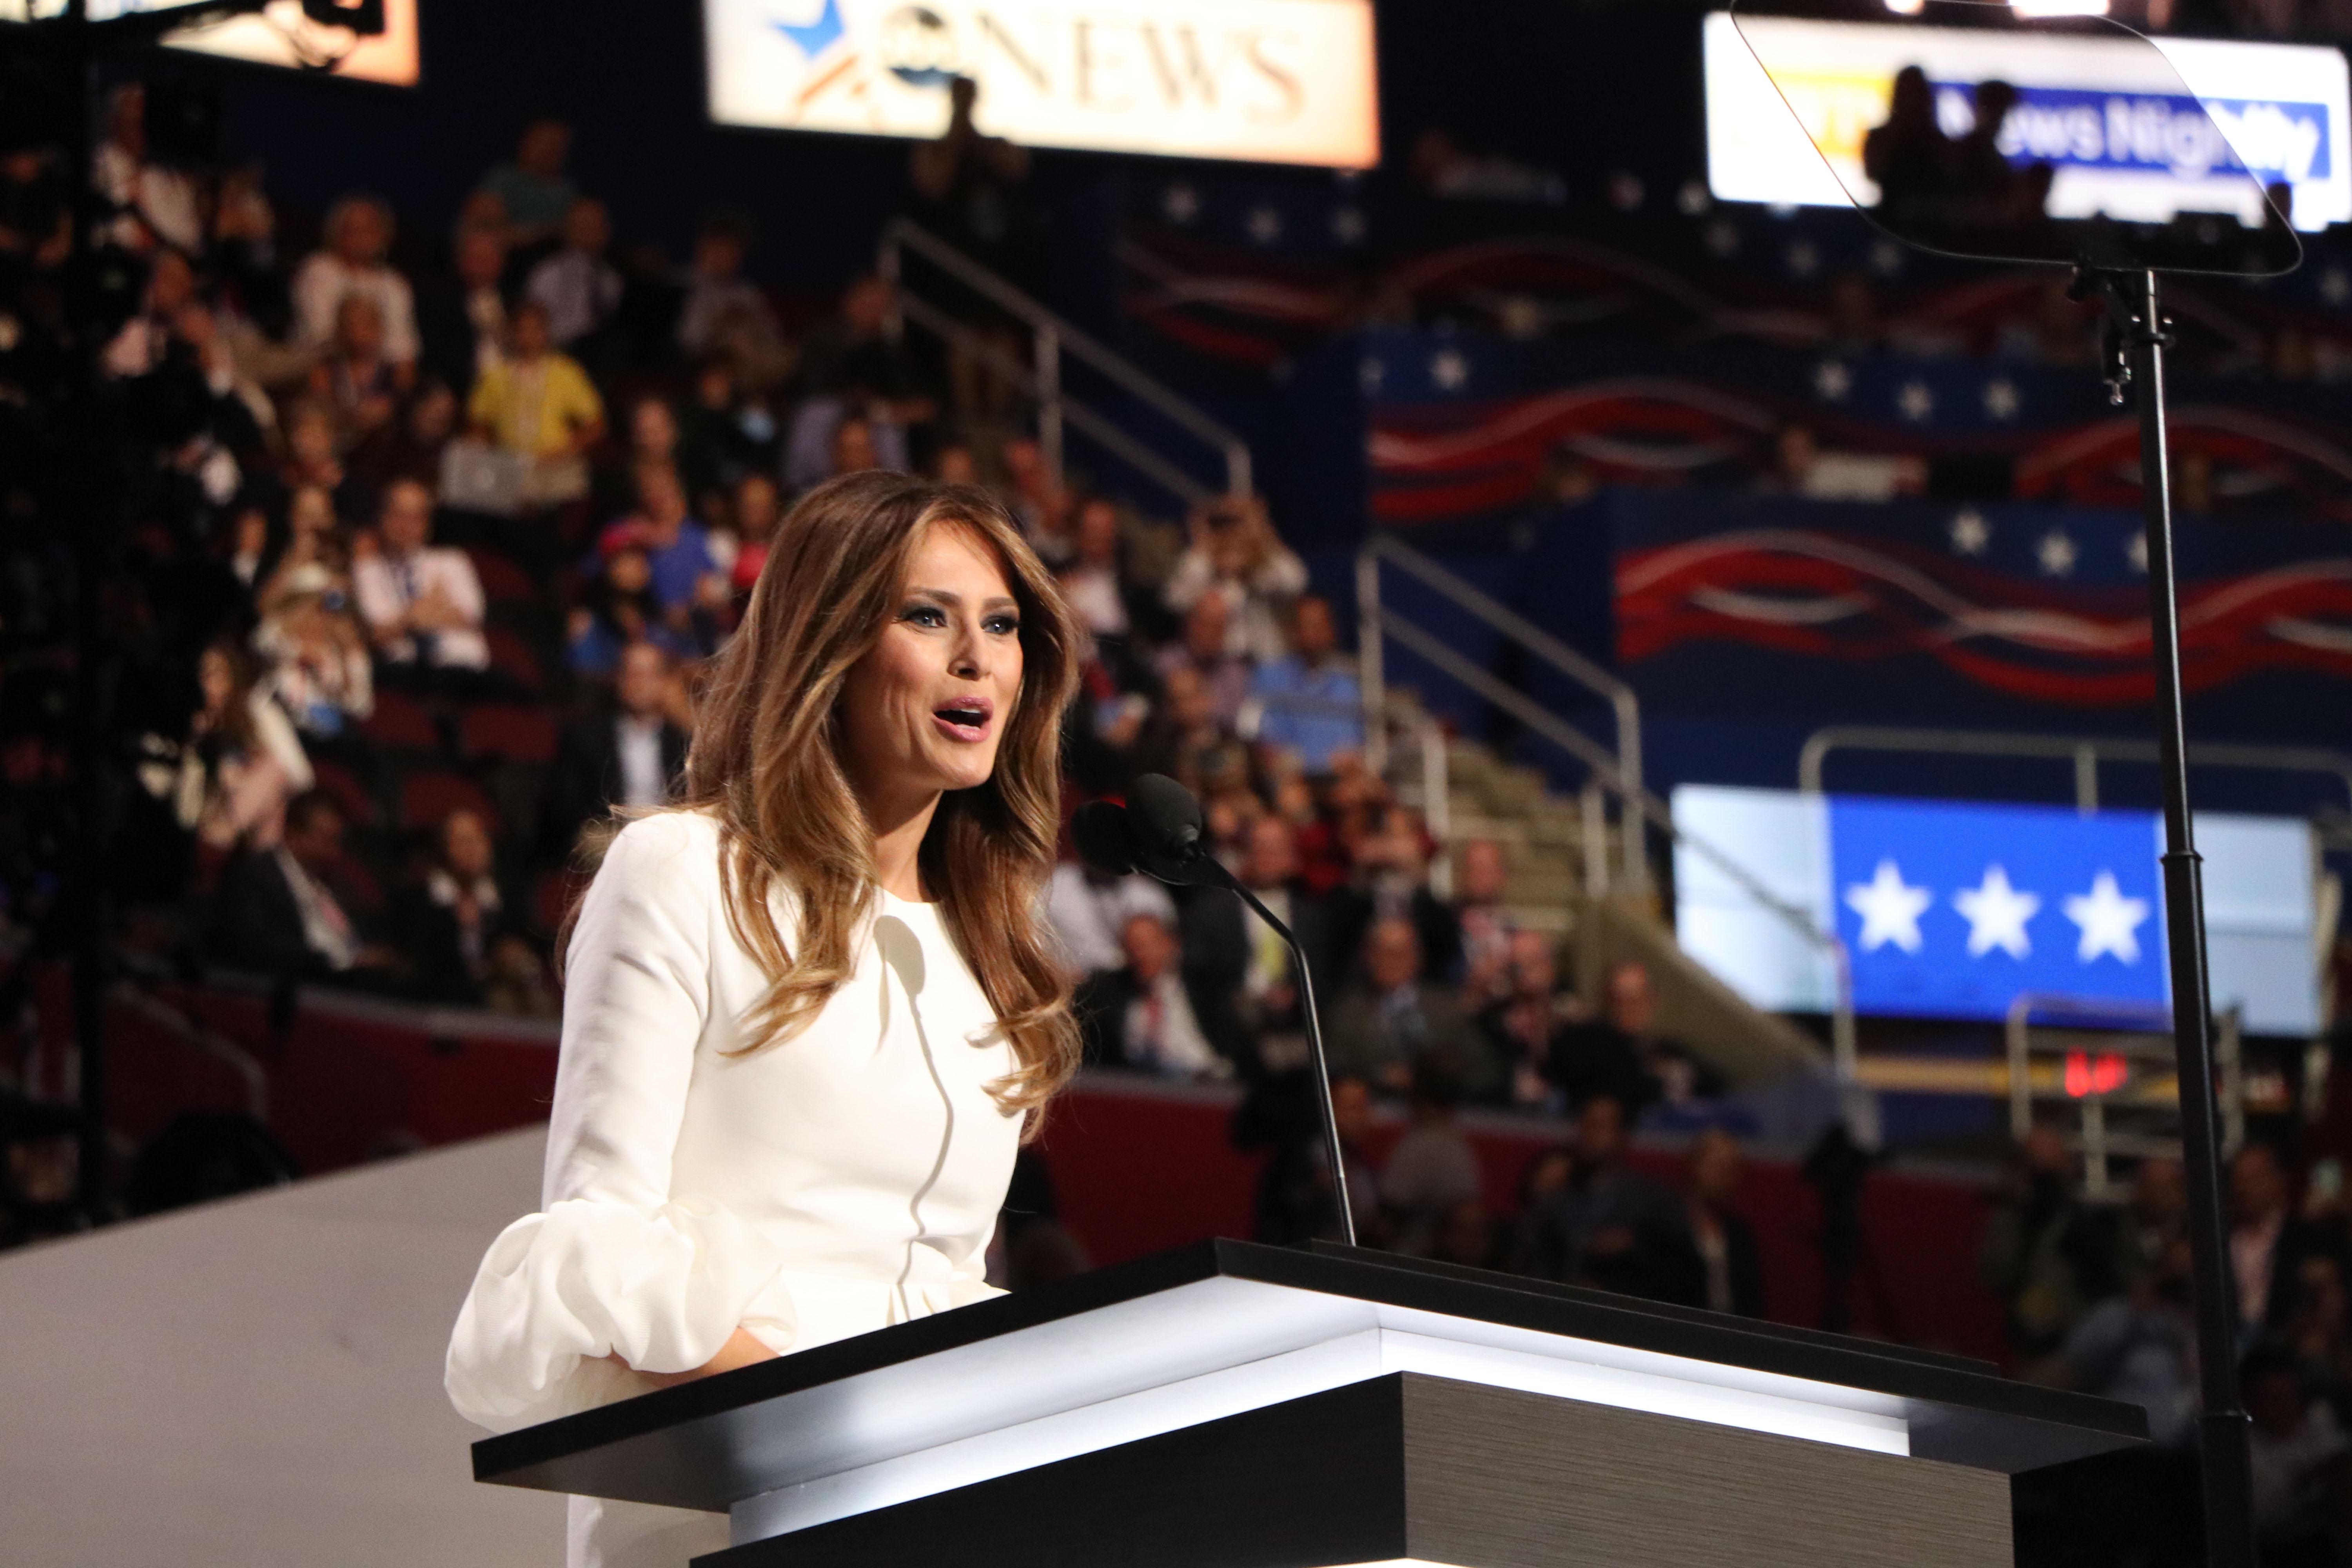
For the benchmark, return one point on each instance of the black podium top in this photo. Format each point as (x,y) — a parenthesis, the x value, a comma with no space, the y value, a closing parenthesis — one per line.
(1220,1305)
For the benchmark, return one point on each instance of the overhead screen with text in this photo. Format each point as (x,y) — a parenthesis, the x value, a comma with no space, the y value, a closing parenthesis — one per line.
(2106,115)
(1279,81)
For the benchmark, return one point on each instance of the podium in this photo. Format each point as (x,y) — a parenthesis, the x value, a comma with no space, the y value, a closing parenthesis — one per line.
(1235,1405)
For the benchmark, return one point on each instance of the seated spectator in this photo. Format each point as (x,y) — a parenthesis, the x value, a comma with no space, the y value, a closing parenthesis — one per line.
(409,448)
(533,195)
(1527,1029)
(758,509)
(455,919)
(1725,1270)
(312,460)
(462,320)
(1036,498)
(314,539)
(518,985)
(1109,603)
(1612,1226)
(1384,1022)
(139,345)
(422,604)
(2267,1242)
(1088,911)
(2141,1348)
(157,205)
(291,910)
(1308,699)
(578,287)
(1612,1054)
(686,577)
(2046,1253)
(541,405)
(1139,1016)
(1206,653)
(618,609)
(850,367)
(1481,879)
(2299,1463)
(359,233)
(723,435)
(1431,1171)
(630,754)
(355,378)
(726,313)
(1391,870)
(1295,1199)
(1235,555)
(1238,962)
(320,672)
(1519,1249)
(857,446)
(229,781)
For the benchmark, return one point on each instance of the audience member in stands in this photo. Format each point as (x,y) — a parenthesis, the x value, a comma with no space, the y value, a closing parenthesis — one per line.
(313,539)
(686,578)
(578,286)
(1527,1029)
(1725,1268)
(1481,880)
(311,459)
(2267,1242)
(1612,1225)
(1432,1171)
(541,405)
(533,195)
(1235,555)
(352,264)
(617,608)
(970,183)
(2139,1347)
(1620,1052)
(318,668)
(1205,653)
(726,313)
(456,917)
(291,910)
(1237,958)
(1308,699)
(157,205)
(1115,610)
(2299,1464)
(2156,1215)
(2046,1254)
(421,603)
(229,781)
(1390,1018)
(1088,910)
(1141,1015)
(1390,857)
(631,753)
(408,448)
(850,367)
(355,378)
(1295,1200)
(757,507)
(463,317)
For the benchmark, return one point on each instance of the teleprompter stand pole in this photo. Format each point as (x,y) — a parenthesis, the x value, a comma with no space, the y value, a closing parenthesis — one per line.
(2136,336)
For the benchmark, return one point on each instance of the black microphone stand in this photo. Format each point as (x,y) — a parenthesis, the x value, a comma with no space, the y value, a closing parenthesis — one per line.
(2133,347)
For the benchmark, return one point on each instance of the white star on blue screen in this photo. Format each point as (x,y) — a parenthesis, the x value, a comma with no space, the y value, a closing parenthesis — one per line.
(1889,907)
(1997,913)
(2110,922)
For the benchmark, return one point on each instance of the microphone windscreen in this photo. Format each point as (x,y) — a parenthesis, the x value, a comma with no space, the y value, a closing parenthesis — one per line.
(1104,837)
(1166,818)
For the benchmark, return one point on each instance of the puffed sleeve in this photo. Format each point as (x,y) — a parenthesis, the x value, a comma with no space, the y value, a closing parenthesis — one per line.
(612,1265)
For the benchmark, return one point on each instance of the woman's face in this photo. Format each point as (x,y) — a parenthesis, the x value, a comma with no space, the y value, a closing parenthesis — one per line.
(925,710)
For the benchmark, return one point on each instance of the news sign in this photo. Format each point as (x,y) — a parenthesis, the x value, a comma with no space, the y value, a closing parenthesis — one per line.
(1953,908)
(2137,128)
(1283,81)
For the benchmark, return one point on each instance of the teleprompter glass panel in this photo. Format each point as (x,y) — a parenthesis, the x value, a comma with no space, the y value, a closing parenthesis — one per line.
(1976,129)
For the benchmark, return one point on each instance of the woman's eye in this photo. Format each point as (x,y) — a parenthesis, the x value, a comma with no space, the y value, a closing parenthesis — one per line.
(1003,626)
(924,615)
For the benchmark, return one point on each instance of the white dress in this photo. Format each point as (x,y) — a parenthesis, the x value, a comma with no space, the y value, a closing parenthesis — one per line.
(842,1181)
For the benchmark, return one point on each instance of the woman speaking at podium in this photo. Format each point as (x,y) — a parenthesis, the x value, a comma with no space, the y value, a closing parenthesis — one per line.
(809,1010)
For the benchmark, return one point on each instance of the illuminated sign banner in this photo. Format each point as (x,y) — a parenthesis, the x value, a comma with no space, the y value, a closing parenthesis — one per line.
(367,40)
(1282,81)
(1952,909)
(2108,114)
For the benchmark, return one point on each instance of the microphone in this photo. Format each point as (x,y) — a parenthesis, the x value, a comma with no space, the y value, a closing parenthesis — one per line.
(1159,832)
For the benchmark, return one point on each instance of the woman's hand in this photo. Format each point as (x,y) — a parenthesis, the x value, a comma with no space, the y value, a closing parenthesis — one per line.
(741,1350)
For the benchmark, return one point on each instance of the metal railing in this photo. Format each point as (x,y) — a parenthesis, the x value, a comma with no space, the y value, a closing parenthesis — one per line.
(2147,1039)
(2086,752)
(1618,774)
(1052,341)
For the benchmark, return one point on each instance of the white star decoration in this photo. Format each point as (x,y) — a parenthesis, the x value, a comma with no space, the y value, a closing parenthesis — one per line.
(2056,555)
(1265,225)
(1448,369)
(2000,399)
(1832,381)
(1180,203)
(2110,921)
(1916,401)
(1890,910)
(2135,550)
(1997,913)
(1970,531)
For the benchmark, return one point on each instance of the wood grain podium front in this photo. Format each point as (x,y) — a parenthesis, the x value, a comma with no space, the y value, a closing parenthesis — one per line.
(1247,1406)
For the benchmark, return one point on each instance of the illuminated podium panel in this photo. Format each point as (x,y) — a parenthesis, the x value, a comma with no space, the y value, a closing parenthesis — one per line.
(1247,1406)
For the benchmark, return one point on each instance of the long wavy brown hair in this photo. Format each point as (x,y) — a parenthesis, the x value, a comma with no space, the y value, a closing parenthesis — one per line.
(766,760)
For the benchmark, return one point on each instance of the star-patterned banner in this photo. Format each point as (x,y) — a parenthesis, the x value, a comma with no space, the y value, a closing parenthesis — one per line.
(1953,910)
